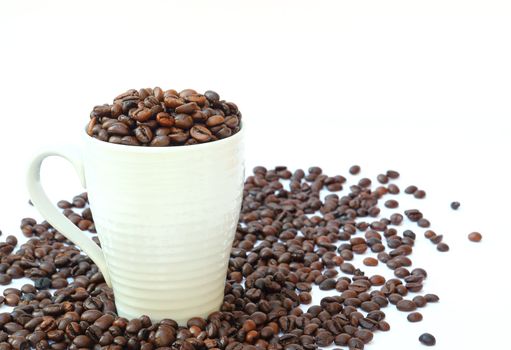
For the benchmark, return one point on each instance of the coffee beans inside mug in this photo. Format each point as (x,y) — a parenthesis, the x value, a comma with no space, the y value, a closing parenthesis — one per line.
(157,118)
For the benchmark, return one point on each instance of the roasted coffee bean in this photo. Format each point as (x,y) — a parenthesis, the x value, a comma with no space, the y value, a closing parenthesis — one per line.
(183,121)
(160,141)
(442,247)
(354,169)
(406,305)
(370,262)
(475,237)
(391,203)
(411,189)
(455,205)
(414,317)
(419,194)
(427,339)
(143,133)
(200,133)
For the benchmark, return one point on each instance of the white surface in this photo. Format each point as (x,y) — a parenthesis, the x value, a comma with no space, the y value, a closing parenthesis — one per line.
(422,87)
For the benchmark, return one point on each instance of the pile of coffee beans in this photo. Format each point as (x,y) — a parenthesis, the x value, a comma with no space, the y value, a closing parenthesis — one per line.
(289,238)
(157,118)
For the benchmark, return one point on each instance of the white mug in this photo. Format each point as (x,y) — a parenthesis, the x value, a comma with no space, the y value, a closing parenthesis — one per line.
(165,217)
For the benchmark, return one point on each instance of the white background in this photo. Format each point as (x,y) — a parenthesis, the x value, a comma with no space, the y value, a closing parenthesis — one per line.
(418,86)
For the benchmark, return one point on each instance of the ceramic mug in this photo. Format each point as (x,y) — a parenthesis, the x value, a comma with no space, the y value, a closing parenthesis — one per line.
(165,217)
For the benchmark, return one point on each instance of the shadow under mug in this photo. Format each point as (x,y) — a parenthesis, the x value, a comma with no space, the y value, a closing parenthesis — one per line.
(165,217)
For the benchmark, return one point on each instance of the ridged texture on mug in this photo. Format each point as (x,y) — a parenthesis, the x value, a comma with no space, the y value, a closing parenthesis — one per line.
(166,219)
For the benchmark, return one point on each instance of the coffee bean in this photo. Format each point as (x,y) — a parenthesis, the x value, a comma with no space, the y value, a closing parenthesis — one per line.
(406,305)
(370,262)
(82,341)
(442,247)
(324,338)
(475,237)
(411,189)
(354,169)
(414,317)
(160,141)
(391,204)
(119,129)
(200,133)
(419,194)
(144,134)
(436,239)
(393,189)
(455,205)
(427,339)
(183,121)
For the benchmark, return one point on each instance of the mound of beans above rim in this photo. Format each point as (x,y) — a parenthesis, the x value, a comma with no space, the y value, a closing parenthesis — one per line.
(158,118)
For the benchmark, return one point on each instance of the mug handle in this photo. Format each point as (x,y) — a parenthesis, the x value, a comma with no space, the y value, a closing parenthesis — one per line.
(52,214)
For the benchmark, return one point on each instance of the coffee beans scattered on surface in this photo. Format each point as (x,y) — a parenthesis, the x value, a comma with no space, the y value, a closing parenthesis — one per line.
(158,118)
(427,339)
(475,237)
(288,240)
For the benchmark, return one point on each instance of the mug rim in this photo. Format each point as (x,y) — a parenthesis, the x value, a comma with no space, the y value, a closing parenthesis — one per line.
(164,149)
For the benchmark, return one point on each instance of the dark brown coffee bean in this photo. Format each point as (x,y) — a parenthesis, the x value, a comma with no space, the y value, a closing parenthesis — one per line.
(354,169)
(475,237)
(414,317)
(455,205)
(212,96)
(437,239)
(183,121)
(393,189)
(411,189)
(141,114)
(327,284)
(420,301)
(130,141)
(119,129)
(160,141)
(324,338)
(442,247)
(214,120)
(406,305)
(187,108)
(423,223)
(391,203)
(427,339)
(200,133)
(82,341)
(144,134)
(419,194)
(383,179)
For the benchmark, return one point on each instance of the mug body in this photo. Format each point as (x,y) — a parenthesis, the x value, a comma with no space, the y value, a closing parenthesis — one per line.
(166,218)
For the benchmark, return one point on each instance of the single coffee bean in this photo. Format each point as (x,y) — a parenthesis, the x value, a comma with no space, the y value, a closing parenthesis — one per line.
(414,317)
(455,205)
(160,141)
(370,262)
(406,305)
(442,247)
(354,169)
(200,133)
(475,237)
(427,339)
(411,189)
(419,194)
(183,121)
(391,203)
(144,134)
(119,129)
